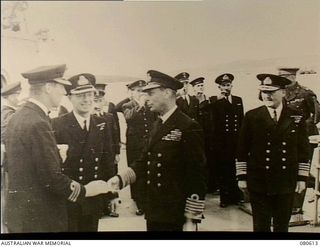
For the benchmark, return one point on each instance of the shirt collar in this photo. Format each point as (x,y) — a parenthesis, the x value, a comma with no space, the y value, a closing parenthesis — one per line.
(168,114)
(81,119)
(278,110)
(41,105)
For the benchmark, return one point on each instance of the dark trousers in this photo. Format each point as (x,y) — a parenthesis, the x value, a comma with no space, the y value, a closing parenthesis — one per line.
(164,226)
(82,223)
(266,208)
(229,191)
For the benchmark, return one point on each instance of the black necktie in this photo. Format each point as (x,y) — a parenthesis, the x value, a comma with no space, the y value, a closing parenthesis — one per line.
(275,116)
(85,126)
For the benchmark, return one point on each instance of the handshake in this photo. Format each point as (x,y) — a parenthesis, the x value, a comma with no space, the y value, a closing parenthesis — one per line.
(114,184)
(98,187)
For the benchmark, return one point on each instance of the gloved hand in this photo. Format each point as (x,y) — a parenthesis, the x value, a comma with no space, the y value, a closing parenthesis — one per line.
(301,186)
(189,226)
(97,187)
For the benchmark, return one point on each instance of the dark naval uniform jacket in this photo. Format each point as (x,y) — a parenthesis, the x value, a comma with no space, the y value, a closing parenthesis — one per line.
(139,124)
(271,156)
(191,109)
(38,190)
(305,102)
(226,121)
(172,167)
(90,156)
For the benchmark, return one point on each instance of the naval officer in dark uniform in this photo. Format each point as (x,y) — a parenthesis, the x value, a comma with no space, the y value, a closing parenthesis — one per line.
(272,157)
(139,120)
(38,190)
(187,103)
(205,120)
(305,101)
(90,155)
(227,115)
(172,164)
(9,93)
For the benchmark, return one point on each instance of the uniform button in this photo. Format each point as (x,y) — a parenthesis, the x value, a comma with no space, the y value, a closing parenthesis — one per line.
(96,167)
(158,184)
(236,120)
(62,169)
(148,162)
(81,160)
(267,167)
(227,125)
(284,151)
(159,175)
(236,115)
(80,169)
(145,125)
(145,119)
(159,165)
(235,129)
(227,115)
(283,159)
(148,182)
(80,178)
(268,143)
(148,172)
(159,154)
(149,153)
(268,151)
(227,130)
(284,143)
(147,131)
(267,159)
(96,159)
(95,176)
(284,167)
(227,120)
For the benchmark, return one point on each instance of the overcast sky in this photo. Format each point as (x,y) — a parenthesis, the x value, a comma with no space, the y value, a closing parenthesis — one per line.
(131,37)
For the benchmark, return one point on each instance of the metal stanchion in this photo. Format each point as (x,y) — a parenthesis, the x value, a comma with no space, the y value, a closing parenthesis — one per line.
(316,164)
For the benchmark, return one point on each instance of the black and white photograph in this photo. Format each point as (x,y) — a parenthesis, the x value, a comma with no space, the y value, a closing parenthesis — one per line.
(187,117)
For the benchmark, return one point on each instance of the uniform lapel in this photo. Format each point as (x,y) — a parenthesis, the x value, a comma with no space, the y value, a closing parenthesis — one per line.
(164,129)
(92,136)
(283,123)
(74,128)
(267,120)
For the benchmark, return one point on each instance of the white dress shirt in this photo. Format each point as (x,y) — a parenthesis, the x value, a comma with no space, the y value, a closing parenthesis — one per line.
(81,119)
(168,114)
(278,111)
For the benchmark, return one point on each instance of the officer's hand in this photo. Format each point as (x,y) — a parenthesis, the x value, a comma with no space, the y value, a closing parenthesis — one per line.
(63,149)
(301,186)
(243,186)
(117,159)
(189,226)
(114,183)
(96,187)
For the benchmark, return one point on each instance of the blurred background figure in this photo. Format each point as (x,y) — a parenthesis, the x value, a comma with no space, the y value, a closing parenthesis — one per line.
(99,110)
(305,102)
(187,103)
(139,120)
(205,120)
(227,115)
(9,94)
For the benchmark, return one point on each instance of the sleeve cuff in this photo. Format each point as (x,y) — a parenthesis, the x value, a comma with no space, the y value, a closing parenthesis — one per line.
(194,208)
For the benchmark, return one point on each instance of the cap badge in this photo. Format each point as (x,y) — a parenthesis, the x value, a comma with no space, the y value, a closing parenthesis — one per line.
(225,77)
(267,81)
(83,81)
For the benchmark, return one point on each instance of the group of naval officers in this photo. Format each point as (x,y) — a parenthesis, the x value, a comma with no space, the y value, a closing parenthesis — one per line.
(61,174)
